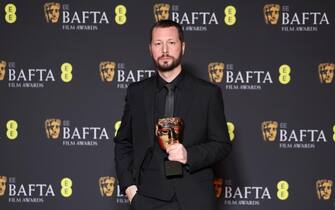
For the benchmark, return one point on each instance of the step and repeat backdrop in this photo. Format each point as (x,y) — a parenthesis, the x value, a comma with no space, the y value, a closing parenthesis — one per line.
(65,67)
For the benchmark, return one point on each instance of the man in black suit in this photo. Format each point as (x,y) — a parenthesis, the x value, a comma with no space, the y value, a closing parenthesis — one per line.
(205,141)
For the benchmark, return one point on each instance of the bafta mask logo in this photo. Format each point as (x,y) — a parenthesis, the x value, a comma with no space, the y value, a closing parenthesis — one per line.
(215,72)
(269,130)
(161,11)
(107,71)
(169,131)
(107,185)
(51,12)
(52,128)
(271,13)
(326,72)
(3,181)
(3,65)
(218,187)
(324,189)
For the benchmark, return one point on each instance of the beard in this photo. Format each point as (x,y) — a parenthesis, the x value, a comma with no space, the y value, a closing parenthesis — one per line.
(166,66)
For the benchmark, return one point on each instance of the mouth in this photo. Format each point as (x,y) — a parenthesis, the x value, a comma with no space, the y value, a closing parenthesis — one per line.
(165,58)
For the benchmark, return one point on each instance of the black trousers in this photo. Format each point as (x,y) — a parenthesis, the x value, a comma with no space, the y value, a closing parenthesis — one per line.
(141,202)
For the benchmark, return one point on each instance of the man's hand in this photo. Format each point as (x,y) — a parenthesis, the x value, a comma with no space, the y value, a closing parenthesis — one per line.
(131,191)
(177,152)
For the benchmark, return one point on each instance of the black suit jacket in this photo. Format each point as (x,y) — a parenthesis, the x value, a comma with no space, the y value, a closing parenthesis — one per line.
(205,138)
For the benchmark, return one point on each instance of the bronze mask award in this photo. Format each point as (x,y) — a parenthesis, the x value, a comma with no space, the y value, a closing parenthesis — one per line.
(169,131)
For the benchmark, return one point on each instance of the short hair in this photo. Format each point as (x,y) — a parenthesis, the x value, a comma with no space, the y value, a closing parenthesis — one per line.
(166,24)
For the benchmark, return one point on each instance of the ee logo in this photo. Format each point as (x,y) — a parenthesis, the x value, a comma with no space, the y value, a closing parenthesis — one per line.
(66,184)
(12,126)
(230,18)
(284,74)
(120,14)
(231,128)
(116,127)
(10,10)
(282,192)
(66,69)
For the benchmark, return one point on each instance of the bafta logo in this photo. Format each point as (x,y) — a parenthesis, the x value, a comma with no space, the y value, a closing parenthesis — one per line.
(2,69)
(3,181)
(107,71)
(107,185)
(215,72)
(271,13)
(269,130)
(168,132)
(324,189)
(326,72)
(218,187)
(51,12)
(52,128)
(161,11)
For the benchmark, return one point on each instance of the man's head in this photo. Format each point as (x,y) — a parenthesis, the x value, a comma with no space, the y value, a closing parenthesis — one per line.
(215,71)
(326,72)
(218,187)
(2,69)
(107,184)
(271,13)
(161,11)
(324,188)
(51,11)
(52,128)
(269,130)
(107,71)
(167,45)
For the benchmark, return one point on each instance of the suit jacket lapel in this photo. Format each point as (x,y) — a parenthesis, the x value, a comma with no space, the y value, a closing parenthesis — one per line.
(185,99)
(149,102)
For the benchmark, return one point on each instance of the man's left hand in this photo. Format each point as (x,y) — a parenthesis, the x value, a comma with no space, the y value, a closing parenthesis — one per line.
(177,152)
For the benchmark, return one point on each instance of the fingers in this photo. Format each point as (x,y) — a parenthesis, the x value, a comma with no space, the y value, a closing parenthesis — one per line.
(177,152)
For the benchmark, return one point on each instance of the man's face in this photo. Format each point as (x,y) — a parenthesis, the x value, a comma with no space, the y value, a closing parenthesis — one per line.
(53,128)
(216,72)
(162,12)
(166,49)
(271,13)
(107,185)
(324,189)
(3,181)
(270,131)
(2,69)
(52,11)
(218,187)
(168,131)
(107,71)
(326,73)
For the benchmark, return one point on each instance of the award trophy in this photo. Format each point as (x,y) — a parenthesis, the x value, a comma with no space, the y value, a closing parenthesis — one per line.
(169,131)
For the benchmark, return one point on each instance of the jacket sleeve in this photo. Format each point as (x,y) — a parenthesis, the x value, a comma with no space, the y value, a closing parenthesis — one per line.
(123,150)
(217,145)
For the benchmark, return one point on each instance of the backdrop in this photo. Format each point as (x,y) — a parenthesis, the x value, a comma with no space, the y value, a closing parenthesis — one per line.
(65,67)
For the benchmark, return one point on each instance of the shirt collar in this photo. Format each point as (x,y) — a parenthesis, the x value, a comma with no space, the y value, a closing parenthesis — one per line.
(177,81)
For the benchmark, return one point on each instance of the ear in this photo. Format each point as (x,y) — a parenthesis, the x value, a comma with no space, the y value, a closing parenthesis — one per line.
(183,48)
(150,50)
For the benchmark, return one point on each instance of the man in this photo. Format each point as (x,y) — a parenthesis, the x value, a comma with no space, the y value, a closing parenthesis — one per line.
(205,141)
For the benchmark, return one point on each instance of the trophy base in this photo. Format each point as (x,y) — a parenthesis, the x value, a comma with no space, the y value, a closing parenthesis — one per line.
(173,168)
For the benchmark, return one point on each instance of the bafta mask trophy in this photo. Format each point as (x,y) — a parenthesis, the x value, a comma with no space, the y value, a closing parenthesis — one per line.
(169,131)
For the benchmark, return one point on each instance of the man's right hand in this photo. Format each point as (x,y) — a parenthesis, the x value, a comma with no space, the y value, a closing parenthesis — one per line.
(131,191)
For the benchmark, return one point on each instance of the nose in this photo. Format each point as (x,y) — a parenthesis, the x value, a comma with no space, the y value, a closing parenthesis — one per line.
(165,49)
